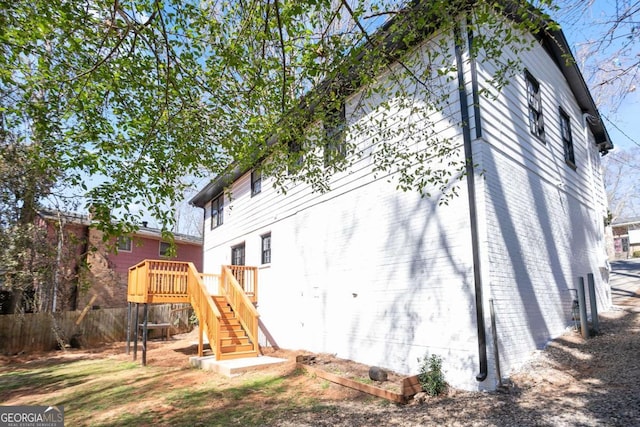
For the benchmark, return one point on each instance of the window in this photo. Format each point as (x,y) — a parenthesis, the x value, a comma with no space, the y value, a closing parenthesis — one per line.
(296,156)
(335,148)
(256,182)
(217,211)
(534,100)
(237,254)
(266,249)
(124,244)
(165,249)
(567,140)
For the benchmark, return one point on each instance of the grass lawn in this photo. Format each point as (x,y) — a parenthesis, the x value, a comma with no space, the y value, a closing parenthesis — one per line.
(111,391)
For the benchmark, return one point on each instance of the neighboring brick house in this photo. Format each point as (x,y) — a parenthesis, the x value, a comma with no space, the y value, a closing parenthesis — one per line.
(106,274)
(382,276)
(626,238)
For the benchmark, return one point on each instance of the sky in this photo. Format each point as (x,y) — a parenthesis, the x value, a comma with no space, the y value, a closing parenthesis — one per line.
(590,23)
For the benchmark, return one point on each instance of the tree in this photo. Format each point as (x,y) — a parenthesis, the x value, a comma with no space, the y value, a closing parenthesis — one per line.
(35,265)
(128,97)
(622,183)
(609,56)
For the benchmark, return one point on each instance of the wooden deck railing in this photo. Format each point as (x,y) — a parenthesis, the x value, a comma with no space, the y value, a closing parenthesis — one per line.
(158,282)
(211,282)
(241,304)
(247,278)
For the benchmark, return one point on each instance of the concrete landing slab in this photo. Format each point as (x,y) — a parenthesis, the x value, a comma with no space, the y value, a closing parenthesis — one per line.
(234,367)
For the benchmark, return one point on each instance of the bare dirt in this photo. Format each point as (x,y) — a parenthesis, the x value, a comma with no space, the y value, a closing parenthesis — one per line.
(573,382)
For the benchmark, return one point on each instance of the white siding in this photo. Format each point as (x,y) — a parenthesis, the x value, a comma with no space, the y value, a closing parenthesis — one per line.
(380,276)
(544,220)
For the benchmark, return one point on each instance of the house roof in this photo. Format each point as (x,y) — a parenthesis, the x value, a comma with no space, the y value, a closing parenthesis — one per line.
(156,233)
(555,44)
(143,231)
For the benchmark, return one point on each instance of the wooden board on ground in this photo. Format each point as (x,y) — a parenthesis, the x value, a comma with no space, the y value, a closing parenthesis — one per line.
(347,382)
(411,386)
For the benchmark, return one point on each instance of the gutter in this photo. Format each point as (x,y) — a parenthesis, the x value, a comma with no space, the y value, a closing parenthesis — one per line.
(473,216)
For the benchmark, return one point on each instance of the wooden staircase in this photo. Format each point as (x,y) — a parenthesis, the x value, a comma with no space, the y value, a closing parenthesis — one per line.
(228,318)
(234,341)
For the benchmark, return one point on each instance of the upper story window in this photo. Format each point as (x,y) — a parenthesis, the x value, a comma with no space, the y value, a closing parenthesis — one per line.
(217,211)
(335,147)
(567,139)
(296,156)
(256,182)
(266,249)
(165,249)
(124,243)
(534,101)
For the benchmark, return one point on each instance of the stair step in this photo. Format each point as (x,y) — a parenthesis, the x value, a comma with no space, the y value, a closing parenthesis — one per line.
(232,333)
(238,355)
(234,348)
(224,342)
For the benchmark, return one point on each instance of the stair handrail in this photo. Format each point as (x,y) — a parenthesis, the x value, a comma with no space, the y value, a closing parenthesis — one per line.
(241,305)
(206,310)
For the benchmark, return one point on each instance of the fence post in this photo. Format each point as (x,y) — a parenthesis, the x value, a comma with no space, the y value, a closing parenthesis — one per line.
(584,327)
(592,302)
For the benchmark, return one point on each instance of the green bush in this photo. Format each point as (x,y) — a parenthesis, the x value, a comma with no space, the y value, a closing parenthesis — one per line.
(431,376)
(636,254)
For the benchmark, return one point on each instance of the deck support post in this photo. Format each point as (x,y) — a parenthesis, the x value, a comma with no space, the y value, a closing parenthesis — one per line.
(200,340)
(128,327)
(135,334)
(144,334)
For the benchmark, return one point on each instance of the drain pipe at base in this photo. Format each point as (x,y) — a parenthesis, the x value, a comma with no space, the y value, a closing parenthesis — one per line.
(473,217)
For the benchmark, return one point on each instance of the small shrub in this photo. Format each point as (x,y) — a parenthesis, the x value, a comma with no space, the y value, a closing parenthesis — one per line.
(431,376)
(636,254)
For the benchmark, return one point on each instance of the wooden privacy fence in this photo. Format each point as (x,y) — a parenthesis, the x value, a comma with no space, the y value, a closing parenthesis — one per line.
(45,331)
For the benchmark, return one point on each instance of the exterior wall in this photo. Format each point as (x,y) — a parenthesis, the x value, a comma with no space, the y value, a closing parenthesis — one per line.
(382,277)
(365,271)
(544,220)
(108,271)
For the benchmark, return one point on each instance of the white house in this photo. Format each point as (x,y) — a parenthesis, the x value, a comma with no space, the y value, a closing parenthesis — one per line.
(383,276)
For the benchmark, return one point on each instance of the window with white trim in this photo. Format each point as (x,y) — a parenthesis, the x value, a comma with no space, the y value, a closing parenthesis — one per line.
(165,249)
(124,243)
